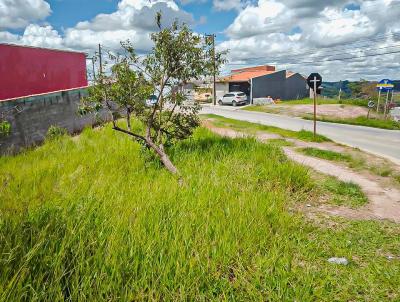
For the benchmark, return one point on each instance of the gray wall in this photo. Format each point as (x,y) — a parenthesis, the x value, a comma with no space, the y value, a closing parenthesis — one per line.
(272,85)
(277,86)
(296,87)
(29,127)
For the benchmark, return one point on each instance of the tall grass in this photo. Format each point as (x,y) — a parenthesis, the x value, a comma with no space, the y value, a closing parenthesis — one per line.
(89,219)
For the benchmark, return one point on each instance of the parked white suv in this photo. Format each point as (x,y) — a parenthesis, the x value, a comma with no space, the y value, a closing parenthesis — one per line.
(233,98)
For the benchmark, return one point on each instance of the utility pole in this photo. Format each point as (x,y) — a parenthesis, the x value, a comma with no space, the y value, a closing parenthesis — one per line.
(212,36)
(94,71)
(340,91)
(100,60)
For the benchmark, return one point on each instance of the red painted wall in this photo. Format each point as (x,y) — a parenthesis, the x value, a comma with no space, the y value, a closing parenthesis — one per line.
(27,70)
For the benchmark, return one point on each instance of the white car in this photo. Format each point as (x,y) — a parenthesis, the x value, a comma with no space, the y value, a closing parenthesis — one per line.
(151,101)
(233,98)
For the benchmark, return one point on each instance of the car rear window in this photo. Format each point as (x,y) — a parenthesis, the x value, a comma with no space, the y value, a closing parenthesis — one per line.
(241,94)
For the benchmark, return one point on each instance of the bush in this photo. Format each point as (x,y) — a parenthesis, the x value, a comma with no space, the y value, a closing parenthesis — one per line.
(5,128)
(55,132)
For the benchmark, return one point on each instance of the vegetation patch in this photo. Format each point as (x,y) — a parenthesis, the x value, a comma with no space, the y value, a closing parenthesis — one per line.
(5,128)
(344,193)
(253,128)
(91,220)
(280,142)
(55,132)
(326,154)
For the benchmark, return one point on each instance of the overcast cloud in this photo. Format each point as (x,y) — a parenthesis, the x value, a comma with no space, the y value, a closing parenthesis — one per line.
(301,35)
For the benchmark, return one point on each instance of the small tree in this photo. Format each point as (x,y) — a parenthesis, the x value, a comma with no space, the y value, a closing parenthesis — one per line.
(178,57)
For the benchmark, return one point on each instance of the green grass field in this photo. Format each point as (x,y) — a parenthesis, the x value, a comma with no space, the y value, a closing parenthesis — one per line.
(343,193)
(92,219)
(326,154)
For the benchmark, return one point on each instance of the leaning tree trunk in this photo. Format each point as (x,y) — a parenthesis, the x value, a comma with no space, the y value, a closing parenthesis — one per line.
(163,157)
(160,151)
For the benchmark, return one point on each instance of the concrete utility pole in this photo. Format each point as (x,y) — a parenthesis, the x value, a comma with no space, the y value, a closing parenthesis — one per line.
(100,60)
(94,71)
(214,68)
(340,91)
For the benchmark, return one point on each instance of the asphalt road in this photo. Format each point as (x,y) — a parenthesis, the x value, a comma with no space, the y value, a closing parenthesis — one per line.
(385,143)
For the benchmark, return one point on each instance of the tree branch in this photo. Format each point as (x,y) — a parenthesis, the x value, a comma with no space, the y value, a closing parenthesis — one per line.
(116,128)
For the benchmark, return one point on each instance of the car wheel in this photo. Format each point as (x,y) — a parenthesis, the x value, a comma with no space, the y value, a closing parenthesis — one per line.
(220,102)
(234,104)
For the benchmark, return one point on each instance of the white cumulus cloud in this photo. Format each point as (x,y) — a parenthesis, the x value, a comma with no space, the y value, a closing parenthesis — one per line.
(19,13)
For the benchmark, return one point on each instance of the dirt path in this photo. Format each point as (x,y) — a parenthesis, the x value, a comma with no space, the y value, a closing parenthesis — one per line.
(384,203)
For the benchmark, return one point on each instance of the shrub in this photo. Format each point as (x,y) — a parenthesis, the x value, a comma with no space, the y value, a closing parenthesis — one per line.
(5,128)
(55,132)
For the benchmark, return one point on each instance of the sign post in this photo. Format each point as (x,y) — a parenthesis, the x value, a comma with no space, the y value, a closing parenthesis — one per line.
(379,101)
(314,81)
(386,104)
(371,105)
(387,86)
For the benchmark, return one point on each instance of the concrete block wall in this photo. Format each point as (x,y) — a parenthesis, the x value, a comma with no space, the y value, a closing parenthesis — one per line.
(36,114)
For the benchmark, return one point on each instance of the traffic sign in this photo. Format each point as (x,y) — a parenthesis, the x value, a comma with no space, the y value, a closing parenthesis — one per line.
(314,81)
(371,104)
(385,85)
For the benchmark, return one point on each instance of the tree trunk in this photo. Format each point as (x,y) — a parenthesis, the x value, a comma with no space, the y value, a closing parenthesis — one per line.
(160,151)
(163,156)
(128,120)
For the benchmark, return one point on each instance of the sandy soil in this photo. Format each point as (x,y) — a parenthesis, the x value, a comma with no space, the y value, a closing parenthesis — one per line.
(384,202)
(334,110)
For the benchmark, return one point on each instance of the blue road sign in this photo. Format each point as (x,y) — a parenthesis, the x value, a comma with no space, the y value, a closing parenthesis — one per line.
(385,85)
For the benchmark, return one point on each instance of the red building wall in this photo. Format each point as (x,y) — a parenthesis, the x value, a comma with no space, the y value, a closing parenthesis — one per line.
(28,70)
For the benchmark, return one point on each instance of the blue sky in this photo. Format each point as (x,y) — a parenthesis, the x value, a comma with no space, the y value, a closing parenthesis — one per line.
(67,13)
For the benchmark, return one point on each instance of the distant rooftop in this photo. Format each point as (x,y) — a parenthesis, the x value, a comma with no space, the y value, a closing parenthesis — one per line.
(248,73)
(255,69)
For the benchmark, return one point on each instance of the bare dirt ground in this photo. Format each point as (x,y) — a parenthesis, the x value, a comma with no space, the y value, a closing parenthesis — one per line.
(330,110)
(384,199)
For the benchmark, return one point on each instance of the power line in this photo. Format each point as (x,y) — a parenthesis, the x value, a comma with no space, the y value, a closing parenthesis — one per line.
(320,56)
(337,48)
(336,59)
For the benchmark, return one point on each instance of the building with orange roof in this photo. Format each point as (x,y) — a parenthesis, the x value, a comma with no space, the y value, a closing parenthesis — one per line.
(263,81)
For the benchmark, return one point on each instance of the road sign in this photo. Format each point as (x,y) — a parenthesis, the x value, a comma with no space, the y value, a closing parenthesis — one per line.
(371,104)
(314,81)
(385,85)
